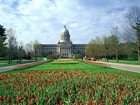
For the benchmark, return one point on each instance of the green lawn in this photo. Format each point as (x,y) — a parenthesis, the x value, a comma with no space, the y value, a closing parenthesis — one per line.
(15,62)
(79,66)
(132,62)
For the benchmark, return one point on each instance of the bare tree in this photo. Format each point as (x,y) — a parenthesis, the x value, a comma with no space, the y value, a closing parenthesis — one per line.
(106,47)
(99,47)
(128,49)
(95,48)
(137,28)
(131,32)
(12,43)
(29,50)
(90,48)
(114,39)
(37,49)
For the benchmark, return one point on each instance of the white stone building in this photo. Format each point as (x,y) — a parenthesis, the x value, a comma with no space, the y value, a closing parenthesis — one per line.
(64,48)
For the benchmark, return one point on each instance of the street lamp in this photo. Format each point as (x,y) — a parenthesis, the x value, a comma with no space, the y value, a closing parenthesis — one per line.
(57,55)
(35,54)
(20,49)
(106,47)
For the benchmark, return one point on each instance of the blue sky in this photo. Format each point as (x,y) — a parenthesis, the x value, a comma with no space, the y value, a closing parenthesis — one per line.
(44,19)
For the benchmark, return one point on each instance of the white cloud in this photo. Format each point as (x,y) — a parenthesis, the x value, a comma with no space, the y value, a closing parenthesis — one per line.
(44,19)
(8,2)
(74,25)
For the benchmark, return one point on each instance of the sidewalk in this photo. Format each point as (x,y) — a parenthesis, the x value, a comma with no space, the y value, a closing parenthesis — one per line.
(7,68)
(133,68)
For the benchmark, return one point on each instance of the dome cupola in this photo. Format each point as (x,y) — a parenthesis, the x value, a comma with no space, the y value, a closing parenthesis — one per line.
(64,36)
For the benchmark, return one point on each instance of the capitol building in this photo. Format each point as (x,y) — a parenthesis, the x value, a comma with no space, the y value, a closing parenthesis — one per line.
(65,47)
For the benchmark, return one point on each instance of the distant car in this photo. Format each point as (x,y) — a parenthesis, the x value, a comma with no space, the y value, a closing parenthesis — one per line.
(93,59)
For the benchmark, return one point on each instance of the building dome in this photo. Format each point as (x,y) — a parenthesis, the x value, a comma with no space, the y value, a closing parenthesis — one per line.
(64,36)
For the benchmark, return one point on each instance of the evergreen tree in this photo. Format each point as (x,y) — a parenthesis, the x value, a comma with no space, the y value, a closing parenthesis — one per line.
(3,37)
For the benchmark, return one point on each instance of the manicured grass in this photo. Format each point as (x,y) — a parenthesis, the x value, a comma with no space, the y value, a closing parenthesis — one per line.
(14,62)
(123,62)
(79,66)
(4,63)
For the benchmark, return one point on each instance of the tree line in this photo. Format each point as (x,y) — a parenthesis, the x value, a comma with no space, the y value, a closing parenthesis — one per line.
(120,44)
(11,49)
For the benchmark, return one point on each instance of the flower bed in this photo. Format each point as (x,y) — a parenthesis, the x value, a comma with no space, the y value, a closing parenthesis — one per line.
(28,65)
(62,87)
(97,63)
(64,61)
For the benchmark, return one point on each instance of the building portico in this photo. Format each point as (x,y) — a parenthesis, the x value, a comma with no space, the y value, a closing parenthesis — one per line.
(65,47)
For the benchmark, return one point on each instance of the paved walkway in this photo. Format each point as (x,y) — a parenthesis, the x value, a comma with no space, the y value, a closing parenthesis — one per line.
(7,68)
(133,68)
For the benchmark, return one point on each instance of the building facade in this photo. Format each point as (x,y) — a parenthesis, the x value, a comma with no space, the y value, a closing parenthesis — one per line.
(64,48)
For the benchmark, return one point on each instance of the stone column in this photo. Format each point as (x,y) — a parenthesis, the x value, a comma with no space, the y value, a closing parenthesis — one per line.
(67,51)
(60,50)
(70,50)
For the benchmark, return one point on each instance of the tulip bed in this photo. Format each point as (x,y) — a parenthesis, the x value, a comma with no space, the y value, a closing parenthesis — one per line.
(64,61)
(28,65)
(97,63)
(69,87)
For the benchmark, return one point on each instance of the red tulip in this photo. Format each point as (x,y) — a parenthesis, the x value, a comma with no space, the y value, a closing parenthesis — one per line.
(24,88)
(29,97)
(19,99)
(6,87)
(9,100)
(95,84)
(60,102)
(81,87)
(4,97)
(38,84)
(68,92)
(77,101)
(56,95)
(130,103)
(32,95)
(0,98)
(47,99)
(49,96)
(29,103)
(12,96)
(63,86)
(100,103)
(36,99)
(111,103)
(86,92)
(80,92)
(90,101)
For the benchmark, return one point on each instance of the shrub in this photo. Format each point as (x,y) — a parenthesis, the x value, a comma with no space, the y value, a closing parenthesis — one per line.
(81,56)
(51,56)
